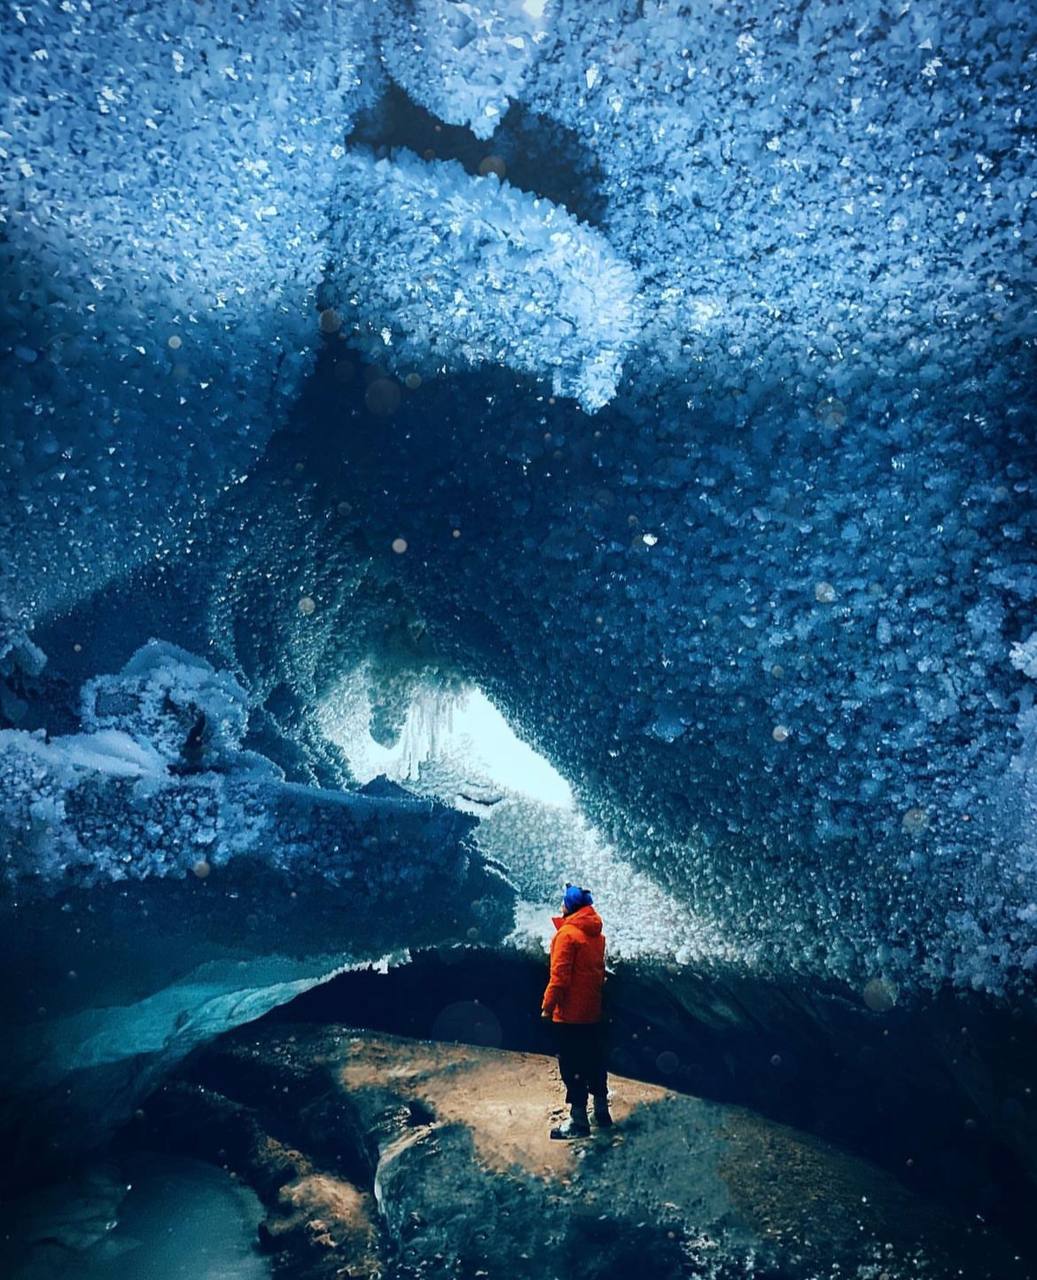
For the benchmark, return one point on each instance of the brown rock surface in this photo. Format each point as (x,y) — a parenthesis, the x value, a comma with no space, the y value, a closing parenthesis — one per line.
(406,1158)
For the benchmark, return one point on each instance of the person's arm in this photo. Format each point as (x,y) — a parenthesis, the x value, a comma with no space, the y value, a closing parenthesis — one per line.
(562,956)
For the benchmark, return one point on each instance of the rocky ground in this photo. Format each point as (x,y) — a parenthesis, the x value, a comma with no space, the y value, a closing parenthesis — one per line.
(378,1156)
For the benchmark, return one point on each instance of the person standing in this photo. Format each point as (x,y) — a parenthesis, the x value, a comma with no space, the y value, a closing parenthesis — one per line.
(572,1002)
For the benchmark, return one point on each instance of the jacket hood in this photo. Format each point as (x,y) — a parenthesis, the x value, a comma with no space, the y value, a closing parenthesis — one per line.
(586,919)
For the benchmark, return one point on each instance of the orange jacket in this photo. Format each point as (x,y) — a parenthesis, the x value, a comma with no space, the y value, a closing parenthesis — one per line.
(577,968)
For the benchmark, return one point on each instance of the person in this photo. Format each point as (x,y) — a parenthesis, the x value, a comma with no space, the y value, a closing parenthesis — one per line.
(572,1002)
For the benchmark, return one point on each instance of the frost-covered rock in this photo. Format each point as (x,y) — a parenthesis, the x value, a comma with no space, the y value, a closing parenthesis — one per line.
(191,896)
(17,651)
(191,714)
(157,787)
(20,662)
(1024,656)
(437,270)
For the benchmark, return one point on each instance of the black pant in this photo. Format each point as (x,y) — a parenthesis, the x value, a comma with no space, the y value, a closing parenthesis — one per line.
(581,1060)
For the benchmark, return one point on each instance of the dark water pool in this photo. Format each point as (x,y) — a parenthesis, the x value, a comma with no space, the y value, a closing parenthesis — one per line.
(154,1216)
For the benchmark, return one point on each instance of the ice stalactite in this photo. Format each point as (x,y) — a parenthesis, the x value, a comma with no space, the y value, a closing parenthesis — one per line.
(455,746)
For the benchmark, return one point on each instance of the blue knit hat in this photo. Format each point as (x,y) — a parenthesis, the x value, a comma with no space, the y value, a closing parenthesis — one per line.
(575,897)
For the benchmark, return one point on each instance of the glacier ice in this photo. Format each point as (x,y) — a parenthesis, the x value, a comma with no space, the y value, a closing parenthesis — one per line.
(769,610)
(166,175)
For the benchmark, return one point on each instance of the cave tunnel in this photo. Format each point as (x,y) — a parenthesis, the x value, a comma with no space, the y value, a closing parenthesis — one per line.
(455,451)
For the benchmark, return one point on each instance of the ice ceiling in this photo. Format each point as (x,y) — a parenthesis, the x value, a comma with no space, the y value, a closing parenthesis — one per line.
(665,371)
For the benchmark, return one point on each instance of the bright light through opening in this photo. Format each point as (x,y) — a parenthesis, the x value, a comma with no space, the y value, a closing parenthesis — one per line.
(455,745)
(461,734)
(505,758)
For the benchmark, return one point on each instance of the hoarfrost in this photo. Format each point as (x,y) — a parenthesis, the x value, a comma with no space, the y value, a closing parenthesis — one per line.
(471,271)
(766,604)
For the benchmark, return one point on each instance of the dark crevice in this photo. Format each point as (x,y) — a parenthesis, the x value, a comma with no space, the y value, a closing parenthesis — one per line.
(532,152)
(419,1115)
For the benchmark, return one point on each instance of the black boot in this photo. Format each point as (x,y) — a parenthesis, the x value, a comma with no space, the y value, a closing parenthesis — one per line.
(602,1114)
(577,1126)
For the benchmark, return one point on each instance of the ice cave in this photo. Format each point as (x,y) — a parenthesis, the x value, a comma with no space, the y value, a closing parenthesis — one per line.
(460,453)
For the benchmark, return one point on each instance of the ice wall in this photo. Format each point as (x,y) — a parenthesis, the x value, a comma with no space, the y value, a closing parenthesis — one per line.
(762,613)
(776,670)
(166,179)
(159,884)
